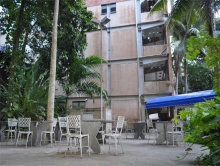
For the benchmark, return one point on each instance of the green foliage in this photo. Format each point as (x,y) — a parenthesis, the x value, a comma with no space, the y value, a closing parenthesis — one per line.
(199,77)
(74,71)
(211,48)
(203,124)
(60,106)
(217,24)
(203,128)
(27,96)
(80,77)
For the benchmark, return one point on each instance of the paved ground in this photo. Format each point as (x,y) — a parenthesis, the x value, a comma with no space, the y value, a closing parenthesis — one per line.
(137,152)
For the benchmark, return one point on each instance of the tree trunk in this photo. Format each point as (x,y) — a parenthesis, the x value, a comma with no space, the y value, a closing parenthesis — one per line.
(51,92)
(185,74)
(16,37)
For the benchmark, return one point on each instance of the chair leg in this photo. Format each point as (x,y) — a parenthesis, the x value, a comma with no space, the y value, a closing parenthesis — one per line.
(51,139)
(80,144)
(121,146)
(18,137)
(27,139)
(116,143)
(88,145)
(109,144)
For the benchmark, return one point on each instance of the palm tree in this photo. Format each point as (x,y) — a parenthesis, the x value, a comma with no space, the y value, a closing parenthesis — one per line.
(205,9)
(81,77)
(183,16)
(51,92)
(181,33)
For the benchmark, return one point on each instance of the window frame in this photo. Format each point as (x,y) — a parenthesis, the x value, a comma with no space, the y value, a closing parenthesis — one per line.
(112,8)
(104,8)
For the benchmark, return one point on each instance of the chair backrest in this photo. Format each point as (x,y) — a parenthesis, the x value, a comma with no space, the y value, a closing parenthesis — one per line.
(149,124)
(63,124)
(24,123)
(125,126)
(120,124)
(178,126)
(54,122)
(12,122)
(74,123)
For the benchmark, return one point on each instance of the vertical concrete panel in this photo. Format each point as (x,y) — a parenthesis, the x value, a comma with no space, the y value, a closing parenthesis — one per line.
(123,44)
(94,44)
(125,14)
(124,79)
(127,108)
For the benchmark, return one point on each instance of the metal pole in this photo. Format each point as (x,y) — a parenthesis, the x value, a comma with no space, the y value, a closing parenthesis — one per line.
(101,70)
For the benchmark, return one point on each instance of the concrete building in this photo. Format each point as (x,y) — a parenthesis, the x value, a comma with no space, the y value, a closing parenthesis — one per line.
(137,48)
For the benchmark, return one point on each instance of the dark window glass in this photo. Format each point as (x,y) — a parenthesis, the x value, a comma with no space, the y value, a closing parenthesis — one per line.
(104,9)
(113,8)
(78,104)
(154,36)
(146,5)
(157,71)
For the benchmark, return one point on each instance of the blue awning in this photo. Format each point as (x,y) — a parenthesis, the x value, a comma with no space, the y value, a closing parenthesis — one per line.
(183,99)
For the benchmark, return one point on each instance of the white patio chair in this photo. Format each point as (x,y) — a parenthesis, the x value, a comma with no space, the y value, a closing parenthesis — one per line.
(116,135)
(75,134)
(50,133)
(11,131)
(149,125)
(177,131)
(152,135)
(24,130)
(63,127)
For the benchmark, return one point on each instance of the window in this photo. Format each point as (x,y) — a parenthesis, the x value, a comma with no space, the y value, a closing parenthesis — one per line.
(111,7)
(104,9)
(154,36)
(157,71)
(146,5)
(78,104)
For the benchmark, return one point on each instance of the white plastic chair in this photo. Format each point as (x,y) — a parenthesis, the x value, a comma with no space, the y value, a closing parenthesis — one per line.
(149,125)
(63,127)
(51,134)
(177,131)
(11,131)
(24,129)
(76,136)
(116,135)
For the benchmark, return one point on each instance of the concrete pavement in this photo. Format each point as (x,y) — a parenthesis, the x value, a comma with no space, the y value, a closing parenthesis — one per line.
(137,153)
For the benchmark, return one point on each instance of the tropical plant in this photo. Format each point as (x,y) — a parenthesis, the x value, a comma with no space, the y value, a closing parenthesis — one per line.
(184,17)
(29,23)
(203,125)
(209,46)
(203,128)
(81,77)
(27,95)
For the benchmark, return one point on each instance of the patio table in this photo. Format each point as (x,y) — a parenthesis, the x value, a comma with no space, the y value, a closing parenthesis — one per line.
(163,127)
(92,127)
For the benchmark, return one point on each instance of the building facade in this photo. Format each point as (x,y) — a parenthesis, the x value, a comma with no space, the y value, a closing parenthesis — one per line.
(137,49)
